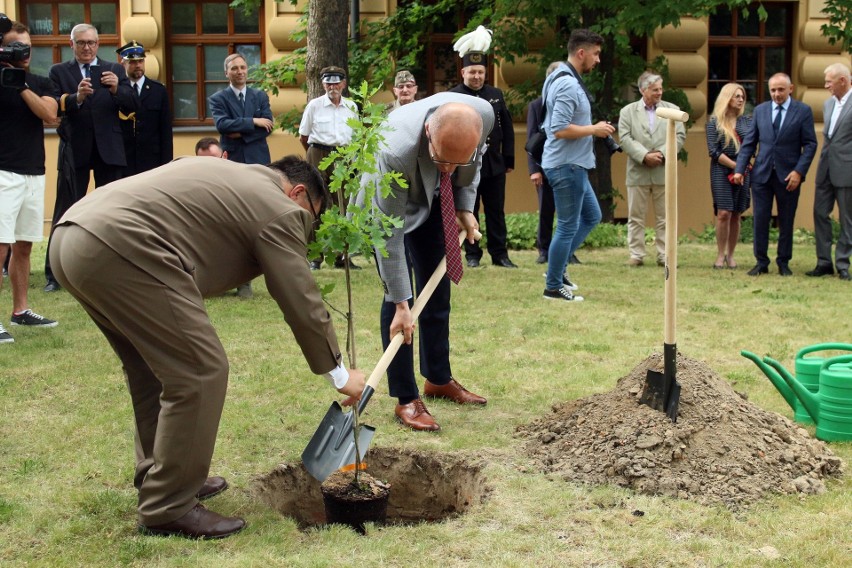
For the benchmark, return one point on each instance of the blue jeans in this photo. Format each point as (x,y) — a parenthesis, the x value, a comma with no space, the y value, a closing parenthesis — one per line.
(577,213)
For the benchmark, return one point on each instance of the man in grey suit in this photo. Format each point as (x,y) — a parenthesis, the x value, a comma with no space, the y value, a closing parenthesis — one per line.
(643,136)
(192,229)
(441,134)
(834,176)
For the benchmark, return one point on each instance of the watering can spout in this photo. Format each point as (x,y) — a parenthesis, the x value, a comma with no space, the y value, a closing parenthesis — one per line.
(807,398)
(777,380)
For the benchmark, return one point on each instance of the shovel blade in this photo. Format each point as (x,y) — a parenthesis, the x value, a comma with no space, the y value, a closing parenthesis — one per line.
(333,444)
(661,393)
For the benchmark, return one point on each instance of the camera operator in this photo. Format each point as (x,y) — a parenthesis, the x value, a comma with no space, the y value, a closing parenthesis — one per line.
(22,110)
(568,156)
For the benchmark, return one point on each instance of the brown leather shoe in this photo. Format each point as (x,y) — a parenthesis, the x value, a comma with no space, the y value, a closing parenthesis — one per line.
(452,391)
(198,523)
(212,487)
(415,416)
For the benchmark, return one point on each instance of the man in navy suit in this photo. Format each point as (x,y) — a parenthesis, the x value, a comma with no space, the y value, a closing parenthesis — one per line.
(783,128)
(244,120)
(242,115)
(147,133)
(93,91)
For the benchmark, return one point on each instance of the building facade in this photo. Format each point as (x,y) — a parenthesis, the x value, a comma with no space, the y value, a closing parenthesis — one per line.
(188,40)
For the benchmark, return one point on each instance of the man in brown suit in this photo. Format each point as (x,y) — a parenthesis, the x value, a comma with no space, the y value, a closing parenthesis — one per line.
(187,230)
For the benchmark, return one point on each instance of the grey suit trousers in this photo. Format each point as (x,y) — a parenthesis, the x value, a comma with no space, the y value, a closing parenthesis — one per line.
(824,198)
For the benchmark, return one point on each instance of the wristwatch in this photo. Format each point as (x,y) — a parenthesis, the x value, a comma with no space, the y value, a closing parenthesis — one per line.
(23,88)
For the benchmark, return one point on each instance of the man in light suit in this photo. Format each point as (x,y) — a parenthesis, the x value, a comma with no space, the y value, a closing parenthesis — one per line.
(90,106)
(444,133)
(167,239)
(242,115)
(643,137)
(244,119)
(147,133)
(834,176)
(783,129)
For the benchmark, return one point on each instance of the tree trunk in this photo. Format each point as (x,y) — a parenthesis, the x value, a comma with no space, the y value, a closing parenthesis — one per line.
(328,26)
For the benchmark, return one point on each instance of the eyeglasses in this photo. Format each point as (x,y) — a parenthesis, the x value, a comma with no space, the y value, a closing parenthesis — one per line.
(314,212)
(438,161)
(738,96)
(406,86)
(83,43)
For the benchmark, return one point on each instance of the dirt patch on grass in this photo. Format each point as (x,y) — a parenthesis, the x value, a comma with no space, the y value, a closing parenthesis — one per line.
(425,486)
(723,449)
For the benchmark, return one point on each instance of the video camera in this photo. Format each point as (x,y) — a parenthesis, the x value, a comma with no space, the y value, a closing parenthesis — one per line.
(610,143)
(12,77)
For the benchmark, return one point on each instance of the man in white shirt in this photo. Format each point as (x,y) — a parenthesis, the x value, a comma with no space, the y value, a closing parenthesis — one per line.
(323,128)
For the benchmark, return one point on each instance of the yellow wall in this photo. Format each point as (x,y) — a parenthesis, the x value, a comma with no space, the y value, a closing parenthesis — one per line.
(685,48)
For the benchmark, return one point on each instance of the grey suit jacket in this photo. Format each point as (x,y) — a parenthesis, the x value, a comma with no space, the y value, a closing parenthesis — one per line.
(202,226)
(637,139)
(835,160)
(406,150)
(232,117)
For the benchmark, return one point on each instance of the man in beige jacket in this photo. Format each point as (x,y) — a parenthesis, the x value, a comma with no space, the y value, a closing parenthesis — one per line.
(643,136)
(140,255)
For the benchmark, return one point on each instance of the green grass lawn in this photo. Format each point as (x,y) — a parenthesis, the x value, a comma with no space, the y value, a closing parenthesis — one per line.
(66,438)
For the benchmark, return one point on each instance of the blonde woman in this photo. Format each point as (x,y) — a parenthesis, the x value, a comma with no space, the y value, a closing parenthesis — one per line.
(725,131)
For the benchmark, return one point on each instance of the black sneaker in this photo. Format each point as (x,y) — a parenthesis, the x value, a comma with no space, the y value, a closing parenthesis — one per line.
(567,283)
(561,294)
(5,336)
(32,319)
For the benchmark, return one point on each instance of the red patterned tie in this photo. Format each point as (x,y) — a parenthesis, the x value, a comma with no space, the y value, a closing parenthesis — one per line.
(451,232)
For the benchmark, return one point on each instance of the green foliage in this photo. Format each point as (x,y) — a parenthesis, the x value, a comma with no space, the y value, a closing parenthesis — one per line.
(839,14)
(362,228)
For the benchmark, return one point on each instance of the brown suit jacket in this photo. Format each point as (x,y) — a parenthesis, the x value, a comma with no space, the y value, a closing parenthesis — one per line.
(202,226)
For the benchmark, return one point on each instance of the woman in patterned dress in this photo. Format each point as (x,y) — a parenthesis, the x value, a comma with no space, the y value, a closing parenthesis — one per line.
(725,131)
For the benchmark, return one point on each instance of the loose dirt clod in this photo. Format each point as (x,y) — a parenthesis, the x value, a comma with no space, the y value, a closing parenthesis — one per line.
(723,449)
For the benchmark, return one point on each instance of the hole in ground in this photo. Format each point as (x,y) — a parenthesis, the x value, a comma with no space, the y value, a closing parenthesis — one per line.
(424,487)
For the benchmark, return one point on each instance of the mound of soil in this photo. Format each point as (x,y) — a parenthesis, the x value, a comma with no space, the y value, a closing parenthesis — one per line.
(723,449)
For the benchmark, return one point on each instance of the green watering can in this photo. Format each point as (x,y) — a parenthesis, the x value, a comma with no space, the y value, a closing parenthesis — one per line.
(831,407)
(807,373)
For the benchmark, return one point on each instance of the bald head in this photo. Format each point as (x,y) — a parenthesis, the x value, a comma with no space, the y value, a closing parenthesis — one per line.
(455,130)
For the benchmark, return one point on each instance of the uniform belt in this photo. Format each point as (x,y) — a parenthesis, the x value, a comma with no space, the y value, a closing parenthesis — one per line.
(322,147)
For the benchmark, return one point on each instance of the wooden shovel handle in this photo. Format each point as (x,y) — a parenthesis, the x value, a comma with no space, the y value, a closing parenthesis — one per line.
(418,306)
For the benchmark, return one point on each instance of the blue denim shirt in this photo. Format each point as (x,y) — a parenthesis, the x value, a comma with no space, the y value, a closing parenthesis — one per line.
(566,104)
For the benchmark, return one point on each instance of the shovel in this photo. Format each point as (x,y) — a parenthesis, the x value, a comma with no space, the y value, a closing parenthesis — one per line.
(333,444)
(662,391)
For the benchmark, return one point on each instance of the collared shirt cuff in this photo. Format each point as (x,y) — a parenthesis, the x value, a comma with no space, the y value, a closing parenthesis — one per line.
(338,377)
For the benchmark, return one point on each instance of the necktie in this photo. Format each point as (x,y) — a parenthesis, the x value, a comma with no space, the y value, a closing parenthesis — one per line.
(451,232)
(776,124)
(242,100)
(138,88)
(86,72)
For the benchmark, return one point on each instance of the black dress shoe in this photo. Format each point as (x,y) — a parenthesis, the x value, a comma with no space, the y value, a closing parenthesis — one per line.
(784,270)
(505,263)
(198,523)
(340,262)
(844,274)
(820,271)
(473,262)
(542,259)
(574,260)
(758,269)
(212,487)
(316,264)
(52,286)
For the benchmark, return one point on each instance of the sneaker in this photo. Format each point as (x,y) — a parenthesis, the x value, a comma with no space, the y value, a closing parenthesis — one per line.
(30,318)
(561,294)
(567,283)
(5,336)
